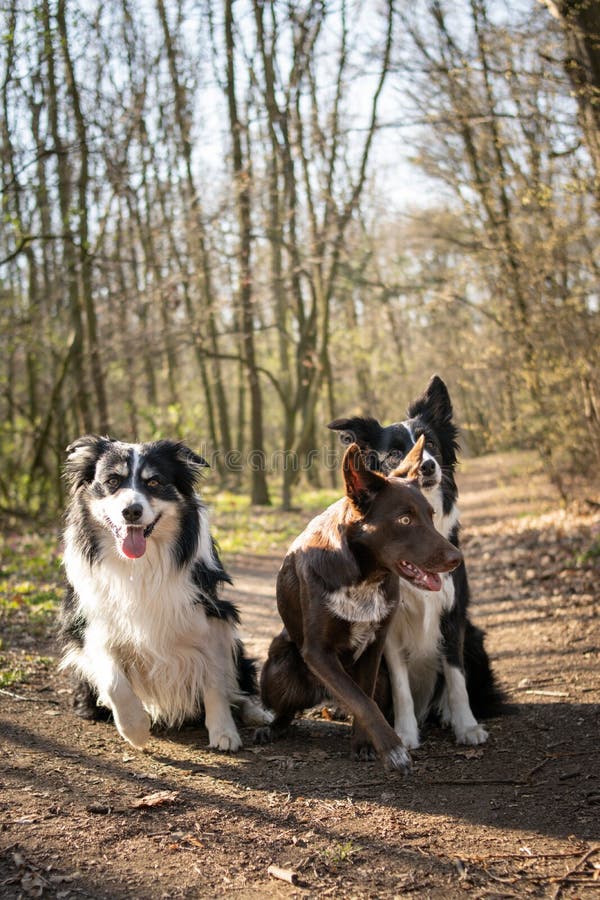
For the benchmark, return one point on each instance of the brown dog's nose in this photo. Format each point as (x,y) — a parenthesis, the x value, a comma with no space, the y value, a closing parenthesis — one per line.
(454,558)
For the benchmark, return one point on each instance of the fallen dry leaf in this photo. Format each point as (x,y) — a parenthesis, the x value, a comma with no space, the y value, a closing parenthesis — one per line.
(158,798)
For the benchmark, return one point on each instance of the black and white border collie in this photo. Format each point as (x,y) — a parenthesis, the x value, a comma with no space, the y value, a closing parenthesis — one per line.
(435,656)
(142,623)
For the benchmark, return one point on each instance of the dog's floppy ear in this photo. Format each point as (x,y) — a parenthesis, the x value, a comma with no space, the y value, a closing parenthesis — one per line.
(362,484)
(82,456)
(183,465)
(186,475)
(191,458)
(190,463)
(434,404)
(360,430)
(410,465)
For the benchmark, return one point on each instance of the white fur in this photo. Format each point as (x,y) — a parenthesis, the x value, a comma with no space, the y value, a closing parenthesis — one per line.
(151,652)
(365,605)
(361,635)
(364,602)
(413,657)
(456,711)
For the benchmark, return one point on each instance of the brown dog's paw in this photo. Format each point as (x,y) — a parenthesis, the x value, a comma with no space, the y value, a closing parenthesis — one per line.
(362,748)
(366,753)
(397,759)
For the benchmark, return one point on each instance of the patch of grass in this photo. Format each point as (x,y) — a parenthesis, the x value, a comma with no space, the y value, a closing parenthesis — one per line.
(239,527)
(30,584)
(18,669)
(30,557)
(10,674)
(340,853)
(589,556)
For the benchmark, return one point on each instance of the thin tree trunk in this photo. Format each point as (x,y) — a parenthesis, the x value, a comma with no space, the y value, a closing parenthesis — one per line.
(580,20)
(202,254)
(85,261)
(69,259)
(259,489)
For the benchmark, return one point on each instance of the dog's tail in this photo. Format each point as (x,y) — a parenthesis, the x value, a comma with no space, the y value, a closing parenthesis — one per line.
(486,697)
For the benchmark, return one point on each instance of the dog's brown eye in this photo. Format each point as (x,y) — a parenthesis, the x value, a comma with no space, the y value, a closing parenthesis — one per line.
(113,481)
(153,482)
(404,520)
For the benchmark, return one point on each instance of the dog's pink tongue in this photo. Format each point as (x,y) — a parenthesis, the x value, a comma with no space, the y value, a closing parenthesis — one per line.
(431,581)
(134,542)
(427,581)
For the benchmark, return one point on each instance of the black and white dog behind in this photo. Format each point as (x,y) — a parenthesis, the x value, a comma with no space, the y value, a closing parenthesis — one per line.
(142,624)
(435,656)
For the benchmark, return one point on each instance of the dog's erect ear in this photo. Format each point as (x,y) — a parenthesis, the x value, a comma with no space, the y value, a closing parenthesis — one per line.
(357,430)
(82,456)
(434,403)
(362,484)
(410,465)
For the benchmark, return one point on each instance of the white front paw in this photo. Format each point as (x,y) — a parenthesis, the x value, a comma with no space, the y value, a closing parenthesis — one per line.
(134,726)
(254,714)
(473,735)
(408,732)
(227,740)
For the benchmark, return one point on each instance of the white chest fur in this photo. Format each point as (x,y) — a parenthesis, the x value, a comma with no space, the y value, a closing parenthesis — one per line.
(443,523)
(365,606)
(365,602)
(144,615)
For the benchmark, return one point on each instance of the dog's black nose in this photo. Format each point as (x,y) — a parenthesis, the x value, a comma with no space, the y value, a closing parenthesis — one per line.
(133,513)
(427,467)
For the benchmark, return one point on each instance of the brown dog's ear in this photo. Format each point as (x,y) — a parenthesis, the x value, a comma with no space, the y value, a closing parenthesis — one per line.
(361,483)
(410,465)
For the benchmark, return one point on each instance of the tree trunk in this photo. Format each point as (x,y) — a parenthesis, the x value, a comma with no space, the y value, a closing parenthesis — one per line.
(259,489)
(201,247)
(580,20)
(85,260)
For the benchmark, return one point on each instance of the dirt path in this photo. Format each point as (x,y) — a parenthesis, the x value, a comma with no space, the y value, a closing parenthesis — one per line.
(515,818)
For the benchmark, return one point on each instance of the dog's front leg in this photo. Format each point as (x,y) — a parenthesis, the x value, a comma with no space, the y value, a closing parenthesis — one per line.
(220,687)
(115,691)
(405,720)
(455,705)
(467,729)
(222,733)
(367,716)
(365,674)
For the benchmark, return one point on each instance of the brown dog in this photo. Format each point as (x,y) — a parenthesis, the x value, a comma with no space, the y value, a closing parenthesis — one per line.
(336,592)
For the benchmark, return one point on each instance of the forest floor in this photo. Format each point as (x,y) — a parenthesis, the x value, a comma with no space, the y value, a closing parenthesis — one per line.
(82,814)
